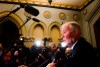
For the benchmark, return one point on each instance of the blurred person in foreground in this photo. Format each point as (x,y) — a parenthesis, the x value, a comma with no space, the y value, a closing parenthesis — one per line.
(5,59)
(82,52)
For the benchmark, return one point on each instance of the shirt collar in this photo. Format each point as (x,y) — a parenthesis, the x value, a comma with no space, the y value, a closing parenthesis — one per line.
(73,45)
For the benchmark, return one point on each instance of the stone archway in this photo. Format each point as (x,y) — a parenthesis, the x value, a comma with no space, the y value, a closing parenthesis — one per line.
(41,24)
(9,31)
(16,20)
(54,31)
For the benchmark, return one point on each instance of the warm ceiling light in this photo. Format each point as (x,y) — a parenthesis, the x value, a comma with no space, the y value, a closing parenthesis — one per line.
(50,1)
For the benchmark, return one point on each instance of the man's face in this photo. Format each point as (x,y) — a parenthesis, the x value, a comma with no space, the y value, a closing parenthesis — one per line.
(53,47)
(7,57)
(67,35)
(68,51)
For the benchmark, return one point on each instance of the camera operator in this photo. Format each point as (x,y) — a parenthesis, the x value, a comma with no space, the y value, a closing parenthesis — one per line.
(39,55)
(21,54)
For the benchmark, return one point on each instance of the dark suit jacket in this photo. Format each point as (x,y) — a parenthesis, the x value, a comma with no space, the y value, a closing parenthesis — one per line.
(83,55)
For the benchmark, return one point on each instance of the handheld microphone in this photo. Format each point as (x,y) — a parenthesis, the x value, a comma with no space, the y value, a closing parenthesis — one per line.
(31,10)
(58,56)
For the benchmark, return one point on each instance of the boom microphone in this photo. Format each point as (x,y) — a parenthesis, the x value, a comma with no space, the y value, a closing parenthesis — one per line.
(31,10)
(36,20)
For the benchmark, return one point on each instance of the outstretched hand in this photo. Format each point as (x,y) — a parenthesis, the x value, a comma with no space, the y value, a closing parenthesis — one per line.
(51,64)
(22,66)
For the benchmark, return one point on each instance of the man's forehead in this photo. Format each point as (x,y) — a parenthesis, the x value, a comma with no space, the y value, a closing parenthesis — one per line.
(65,27)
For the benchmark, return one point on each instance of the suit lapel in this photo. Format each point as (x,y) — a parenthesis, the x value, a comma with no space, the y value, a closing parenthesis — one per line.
(76,47)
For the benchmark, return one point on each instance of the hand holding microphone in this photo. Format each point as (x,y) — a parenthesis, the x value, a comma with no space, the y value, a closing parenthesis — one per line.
(22,66)
(52,64)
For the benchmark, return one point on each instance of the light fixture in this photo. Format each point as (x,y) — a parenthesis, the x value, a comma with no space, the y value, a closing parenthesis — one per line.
(50,1)
(38,43)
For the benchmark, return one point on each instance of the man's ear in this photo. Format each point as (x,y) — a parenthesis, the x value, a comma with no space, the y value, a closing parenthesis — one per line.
(75,33)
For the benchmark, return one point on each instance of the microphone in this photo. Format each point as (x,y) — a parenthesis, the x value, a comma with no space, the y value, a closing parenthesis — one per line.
(58,56)
(31,10)
(36,20)
(15,10)
(22,5)
(44,63)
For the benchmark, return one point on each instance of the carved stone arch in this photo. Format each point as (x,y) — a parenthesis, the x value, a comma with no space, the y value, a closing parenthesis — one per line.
(54,26)
(51,25)
(15,19)
(31,28)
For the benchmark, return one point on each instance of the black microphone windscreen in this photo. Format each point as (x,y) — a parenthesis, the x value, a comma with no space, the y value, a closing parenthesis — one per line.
(22,5)
(31,10)
(36,20)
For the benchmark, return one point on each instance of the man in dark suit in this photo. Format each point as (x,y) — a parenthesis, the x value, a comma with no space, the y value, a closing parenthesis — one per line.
(82,53)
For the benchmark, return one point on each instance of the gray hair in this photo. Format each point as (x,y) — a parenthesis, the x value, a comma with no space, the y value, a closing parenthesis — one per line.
(73,25)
